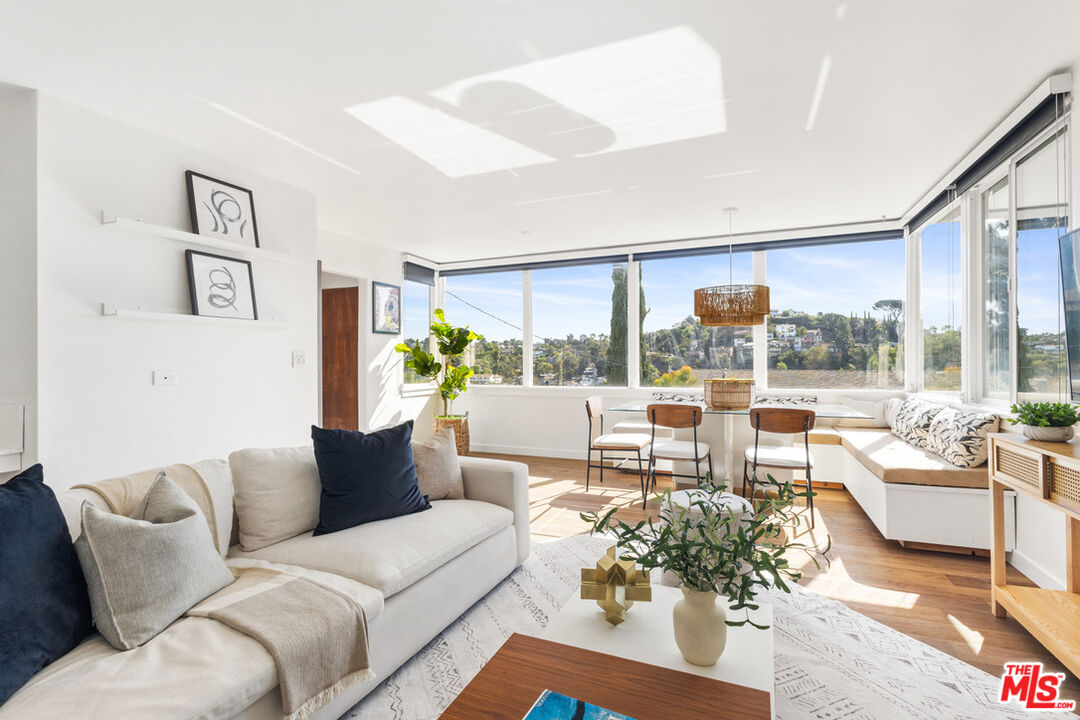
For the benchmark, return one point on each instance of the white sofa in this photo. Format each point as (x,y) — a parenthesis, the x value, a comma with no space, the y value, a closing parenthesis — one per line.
(413,575)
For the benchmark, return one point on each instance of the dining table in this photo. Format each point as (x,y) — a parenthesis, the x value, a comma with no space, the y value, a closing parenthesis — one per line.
(725,437)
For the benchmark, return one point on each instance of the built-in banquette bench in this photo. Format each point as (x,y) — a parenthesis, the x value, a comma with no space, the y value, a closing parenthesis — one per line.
(911,495)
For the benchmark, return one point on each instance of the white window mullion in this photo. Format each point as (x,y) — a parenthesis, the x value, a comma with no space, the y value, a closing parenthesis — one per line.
(526,329)
(633,324)
(1014,338)
(913,351)
(760,332)
(971,335)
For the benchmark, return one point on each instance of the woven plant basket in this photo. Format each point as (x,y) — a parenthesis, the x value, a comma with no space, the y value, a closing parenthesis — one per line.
(732,305)
(461,430)
(729,393)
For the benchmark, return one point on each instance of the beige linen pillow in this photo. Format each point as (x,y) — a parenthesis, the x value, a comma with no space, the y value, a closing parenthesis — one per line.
(276,494)
(145,571)
(438,468)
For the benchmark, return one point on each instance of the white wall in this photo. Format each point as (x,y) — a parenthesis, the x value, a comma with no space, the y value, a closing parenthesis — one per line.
(18,251)
(99,414)
(381,401)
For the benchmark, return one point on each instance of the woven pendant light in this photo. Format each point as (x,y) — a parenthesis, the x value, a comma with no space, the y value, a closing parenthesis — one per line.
(731,304)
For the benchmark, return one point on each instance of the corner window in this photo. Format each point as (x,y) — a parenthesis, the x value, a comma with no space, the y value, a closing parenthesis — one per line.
(676,349)
(415,320)
(579,319)
(942,303)
(838,315)
(491,305)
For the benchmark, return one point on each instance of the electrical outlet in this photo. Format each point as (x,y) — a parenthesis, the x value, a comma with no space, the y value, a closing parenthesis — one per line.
(299,358)
(164,377)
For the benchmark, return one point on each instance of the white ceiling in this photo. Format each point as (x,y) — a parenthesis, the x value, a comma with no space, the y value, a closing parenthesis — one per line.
(463,129)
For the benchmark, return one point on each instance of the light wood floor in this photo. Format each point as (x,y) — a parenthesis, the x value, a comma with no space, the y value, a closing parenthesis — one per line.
(938,598)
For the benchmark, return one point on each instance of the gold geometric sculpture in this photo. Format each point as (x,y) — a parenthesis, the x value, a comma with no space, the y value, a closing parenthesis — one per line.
(615,585)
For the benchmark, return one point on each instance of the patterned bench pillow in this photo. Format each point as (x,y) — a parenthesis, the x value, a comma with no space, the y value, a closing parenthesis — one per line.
(913,421)
(960,436)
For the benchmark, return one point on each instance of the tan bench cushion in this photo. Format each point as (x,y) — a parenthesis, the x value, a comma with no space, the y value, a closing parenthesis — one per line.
(894,461)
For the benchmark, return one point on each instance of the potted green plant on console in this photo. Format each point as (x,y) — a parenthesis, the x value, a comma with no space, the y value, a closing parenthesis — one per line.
(1049,422)
(452,343)
(718,547)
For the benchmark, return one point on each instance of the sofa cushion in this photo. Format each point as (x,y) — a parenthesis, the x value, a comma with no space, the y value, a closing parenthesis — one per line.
(365,476)
(44,607)
(392,554)
(143,572)
(895,461)
(913,420)
(277,494)
(438,469)
(961,437)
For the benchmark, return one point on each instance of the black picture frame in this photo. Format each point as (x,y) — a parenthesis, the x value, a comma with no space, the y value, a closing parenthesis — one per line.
(191,177)
(197,307)
(377,303)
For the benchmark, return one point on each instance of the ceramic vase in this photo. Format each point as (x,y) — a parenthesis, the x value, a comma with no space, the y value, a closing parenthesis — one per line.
(1048,434)
(700,626)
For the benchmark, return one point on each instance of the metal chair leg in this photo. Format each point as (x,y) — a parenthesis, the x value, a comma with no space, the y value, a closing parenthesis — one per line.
(649,474)
(697,468)
(810,497)
(601,466)
(712,478)
(745,479)
(641,477)
(588,467)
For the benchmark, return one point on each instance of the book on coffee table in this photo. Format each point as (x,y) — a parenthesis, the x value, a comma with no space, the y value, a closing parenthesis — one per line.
(554,706)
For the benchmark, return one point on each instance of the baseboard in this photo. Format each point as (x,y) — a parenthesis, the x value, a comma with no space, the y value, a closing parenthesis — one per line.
(1035,572)
(934,547)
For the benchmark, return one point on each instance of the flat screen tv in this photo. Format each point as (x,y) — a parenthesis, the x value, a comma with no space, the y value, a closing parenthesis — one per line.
(1069,246)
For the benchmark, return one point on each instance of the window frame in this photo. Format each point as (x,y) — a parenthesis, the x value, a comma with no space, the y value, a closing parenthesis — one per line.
(419,389)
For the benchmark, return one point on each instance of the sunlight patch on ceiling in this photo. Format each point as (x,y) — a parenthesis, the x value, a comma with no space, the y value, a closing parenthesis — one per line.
(657,88)
(819,91)
(454,147)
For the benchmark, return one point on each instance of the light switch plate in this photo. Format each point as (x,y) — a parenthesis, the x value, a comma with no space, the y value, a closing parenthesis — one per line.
(164,377)
(299,358)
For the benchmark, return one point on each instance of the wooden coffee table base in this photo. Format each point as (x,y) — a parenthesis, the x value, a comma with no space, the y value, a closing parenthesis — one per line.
(525,666)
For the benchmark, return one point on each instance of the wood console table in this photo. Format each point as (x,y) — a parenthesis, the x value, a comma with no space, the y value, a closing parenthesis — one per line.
(1050,473)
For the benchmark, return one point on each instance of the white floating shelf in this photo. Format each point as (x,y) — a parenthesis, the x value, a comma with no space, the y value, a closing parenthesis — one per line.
(246,251)
(109,310)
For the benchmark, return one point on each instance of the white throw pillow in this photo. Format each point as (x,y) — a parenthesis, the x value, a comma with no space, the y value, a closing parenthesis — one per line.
(961,437)
(438,468)
(276,494)
(913,421)
(890,408)
(144,571)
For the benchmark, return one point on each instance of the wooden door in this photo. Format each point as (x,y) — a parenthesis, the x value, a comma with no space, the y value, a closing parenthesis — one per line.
(340,364)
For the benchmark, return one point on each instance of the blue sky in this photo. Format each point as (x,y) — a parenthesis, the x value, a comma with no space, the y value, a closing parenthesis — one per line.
(844,279)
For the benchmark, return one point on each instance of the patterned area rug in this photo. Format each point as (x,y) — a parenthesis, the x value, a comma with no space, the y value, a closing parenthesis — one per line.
(831,662)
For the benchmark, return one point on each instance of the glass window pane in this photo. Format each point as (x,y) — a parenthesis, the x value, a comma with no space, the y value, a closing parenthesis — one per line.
(579,325)
(942,304)
(838,316)
(491,305)
(415,320)
(1040,196)
(672,338)
(995,208)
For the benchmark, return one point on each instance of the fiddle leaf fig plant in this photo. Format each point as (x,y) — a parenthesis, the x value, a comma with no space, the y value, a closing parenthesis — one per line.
(1044,414)
(452,343)
(712,547)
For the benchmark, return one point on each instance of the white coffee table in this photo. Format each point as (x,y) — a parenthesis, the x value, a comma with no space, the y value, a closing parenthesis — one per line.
(647,636)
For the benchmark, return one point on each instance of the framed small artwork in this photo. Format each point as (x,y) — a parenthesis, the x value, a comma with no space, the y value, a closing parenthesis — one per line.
(221,210)
(385,308)
(221,286)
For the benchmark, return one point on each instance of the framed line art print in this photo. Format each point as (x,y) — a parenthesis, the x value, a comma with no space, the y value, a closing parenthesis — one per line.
(385,308)
(221,286)
(221,210)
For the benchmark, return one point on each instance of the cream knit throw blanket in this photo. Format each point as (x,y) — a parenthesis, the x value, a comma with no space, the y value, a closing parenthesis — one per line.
(316,635)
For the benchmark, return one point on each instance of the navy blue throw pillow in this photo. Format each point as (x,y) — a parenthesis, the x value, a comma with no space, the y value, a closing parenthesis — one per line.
(365,476)
(44,606)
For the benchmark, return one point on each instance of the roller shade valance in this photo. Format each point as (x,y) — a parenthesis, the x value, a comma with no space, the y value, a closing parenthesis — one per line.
(773,244)
(542,265)
(419,274)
